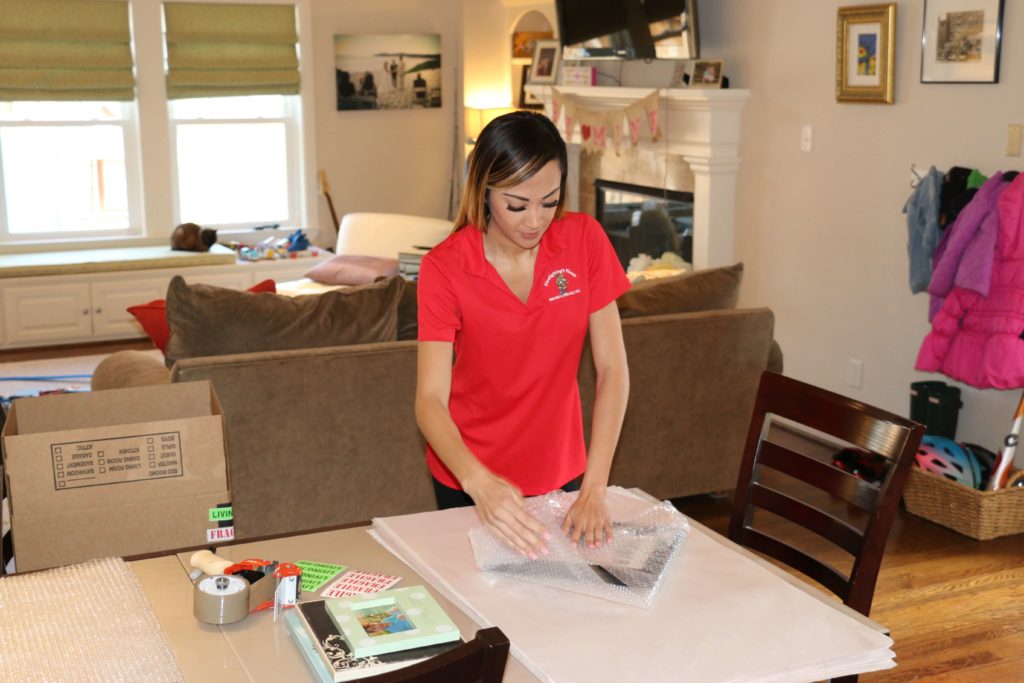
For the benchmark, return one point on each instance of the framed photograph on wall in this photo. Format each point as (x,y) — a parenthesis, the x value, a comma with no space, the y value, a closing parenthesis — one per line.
(546,56)
(866,53)
(389,71)
(526,99)
(960,41)
(706,73)
(523,42)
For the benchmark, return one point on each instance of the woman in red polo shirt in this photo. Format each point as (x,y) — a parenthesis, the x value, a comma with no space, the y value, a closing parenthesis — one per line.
(511,294)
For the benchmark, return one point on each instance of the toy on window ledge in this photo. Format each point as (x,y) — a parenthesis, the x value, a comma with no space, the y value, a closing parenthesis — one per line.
(191,237)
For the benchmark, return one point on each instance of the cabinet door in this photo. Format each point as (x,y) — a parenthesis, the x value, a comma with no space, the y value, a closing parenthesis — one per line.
(47,313)
(110,302)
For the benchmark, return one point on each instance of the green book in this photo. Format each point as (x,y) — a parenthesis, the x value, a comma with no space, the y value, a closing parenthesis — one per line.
(391,621)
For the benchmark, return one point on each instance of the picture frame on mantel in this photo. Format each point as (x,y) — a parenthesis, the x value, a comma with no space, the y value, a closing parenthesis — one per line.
(866,53)
(707,73)
(547,55)
(961,41)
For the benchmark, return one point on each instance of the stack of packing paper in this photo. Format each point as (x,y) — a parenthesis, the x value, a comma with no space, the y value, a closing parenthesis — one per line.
(719,615)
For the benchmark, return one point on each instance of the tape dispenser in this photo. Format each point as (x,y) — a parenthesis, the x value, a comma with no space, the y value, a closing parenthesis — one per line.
(230,591)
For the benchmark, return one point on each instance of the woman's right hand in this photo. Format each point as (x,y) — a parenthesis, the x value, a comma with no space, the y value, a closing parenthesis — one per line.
(500,507)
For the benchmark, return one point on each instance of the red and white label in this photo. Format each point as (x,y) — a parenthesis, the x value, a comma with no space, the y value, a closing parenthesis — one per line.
(358,583)
(226,533)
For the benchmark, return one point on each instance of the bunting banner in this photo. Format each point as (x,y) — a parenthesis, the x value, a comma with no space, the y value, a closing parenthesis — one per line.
(597,125)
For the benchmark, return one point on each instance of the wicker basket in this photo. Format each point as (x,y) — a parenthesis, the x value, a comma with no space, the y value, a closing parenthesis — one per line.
(979,514)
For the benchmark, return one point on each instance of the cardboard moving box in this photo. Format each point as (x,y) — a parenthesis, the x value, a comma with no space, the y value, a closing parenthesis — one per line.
(114,473)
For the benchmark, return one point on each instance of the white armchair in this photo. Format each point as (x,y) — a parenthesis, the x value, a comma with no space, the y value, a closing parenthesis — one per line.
(376,234)
(388,234)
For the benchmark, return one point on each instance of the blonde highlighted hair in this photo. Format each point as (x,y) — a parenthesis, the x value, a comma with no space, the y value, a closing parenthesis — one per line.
(509,151)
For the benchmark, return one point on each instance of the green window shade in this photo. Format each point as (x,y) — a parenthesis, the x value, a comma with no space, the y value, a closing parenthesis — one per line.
(219,50)
(65,50)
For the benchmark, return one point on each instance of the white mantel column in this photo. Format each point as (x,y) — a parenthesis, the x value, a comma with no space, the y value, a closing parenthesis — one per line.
(714,210)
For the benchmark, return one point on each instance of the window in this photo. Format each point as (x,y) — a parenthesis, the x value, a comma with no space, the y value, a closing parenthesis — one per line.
(220,148)
(233,165)
(65,169)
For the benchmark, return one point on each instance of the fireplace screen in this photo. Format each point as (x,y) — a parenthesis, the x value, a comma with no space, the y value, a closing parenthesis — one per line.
(645,220)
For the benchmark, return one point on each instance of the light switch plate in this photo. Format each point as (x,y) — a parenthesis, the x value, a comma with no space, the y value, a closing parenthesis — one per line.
(1013,135)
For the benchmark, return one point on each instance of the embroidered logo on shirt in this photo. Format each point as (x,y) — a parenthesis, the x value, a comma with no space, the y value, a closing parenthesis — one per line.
(562,283)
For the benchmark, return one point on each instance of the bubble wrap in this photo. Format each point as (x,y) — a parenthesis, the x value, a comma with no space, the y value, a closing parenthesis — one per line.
(85,622)
(627,570)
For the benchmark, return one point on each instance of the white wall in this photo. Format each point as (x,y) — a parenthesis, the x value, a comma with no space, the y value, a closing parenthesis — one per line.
(392,161)
(822,233)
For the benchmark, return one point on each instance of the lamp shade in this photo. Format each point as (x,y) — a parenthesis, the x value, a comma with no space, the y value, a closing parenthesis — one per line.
(477,120)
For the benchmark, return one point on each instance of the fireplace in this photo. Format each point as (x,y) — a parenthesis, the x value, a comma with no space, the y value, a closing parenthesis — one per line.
(696,153)
(645,220)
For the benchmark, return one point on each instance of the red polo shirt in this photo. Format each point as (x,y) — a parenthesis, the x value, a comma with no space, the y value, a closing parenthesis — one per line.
(514,394)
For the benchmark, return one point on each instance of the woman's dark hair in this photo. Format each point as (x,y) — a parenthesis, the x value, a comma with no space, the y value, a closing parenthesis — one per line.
(509,150)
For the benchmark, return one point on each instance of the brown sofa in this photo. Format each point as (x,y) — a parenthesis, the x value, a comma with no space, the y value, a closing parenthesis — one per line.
(326,436)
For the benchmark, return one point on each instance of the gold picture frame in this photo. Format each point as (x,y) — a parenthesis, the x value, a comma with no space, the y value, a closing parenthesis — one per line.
(866,53)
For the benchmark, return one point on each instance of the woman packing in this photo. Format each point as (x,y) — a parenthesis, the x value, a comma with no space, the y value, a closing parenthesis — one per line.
(505,303)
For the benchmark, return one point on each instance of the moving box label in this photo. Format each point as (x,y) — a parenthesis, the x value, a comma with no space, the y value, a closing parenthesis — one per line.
(98,462)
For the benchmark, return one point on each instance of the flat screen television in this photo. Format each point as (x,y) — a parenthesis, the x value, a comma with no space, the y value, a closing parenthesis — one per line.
(628,29)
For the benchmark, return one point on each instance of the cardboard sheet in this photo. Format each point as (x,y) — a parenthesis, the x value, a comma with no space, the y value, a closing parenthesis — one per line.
(720,616)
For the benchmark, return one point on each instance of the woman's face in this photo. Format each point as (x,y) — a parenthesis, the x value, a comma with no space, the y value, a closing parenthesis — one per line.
(520,214)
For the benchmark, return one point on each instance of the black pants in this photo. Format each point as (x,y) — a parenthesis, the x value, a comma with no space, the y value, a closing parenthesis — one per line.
(454,498)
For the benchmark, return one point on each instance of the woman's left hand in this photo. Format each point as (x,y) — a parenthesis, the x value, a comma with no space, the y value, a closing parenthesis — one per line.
(588,519)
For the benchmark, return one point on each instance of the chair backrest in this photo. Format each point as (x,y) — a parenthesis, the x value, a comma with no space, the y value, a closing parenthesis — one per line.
(388,234)
(481,660)
(851,422)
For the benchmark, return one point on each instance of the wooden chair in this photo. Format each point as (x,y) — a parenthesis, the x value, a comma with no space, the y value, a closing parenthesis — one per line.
(852,422)
(481,660)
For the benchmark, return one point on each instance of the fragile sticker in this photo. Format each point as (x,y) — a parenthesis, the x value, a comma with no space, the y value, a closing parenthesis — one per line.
(221,533)
(116,460)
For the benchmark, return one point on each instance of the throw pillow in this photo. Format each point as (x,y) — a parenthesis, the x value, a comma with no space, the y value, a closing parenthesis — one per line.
(347,269)
(701,290)
(212,321)
(153,315)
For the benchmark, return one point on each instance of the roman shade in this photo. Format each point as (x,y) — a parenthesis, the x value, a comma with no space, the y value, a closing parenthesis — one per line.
(65,50)
(219,50)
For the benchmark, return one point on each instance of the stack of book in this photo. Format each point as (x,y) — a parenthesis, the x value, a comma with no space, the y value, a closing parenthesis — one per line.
(409,264)
(342,639)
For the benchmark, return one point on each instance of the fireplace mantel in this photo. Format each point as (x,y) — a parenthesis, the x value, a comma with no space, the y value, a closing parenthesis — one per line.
(700,125)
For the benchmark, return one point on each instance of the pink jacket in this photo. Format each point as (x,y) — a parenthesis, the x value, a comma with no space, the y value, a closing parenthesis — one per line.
(976,339)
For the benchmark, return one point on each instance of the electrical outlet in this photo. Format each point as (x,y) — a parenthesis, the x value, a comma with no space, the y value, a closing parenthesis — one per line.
(1013,135)
(855,373)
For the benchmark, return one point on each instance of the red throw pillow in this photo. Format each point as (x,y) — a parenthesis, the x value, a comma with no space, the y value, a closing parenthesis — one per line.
(153,315)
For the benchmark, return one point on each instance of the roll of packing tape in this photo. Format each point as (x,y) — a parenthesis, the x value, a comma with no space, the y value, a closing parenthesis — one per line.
(221,599)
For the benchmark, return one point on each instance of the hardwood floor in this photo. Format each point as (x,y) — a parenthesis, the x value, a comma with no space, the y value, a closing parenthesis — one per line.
(954,605)
(69,351)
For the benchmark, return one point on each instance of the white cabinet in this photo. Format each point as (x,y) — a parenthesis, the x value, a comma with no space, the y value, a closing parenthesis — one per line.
(47,313)
(85,307)
(110,302)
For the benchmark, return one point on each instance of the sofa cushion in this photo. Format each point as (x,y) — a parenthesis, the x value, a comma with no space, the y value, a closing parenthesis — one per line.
(348,269)
(408,326)
(213,321)
(153,315)
(701,290)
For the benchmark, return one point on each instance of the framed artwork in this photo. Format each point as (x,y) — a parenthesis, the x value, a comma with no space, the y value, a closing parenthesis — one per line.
(865,53)
(523,42)
(960,41)
(546,56)
(526,99)
(706,73)
(389,71)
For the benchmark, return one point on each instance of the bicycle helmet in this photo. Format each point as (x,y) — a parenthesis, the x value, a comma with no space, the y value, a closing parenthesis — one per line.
(947,458)
(986,461)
